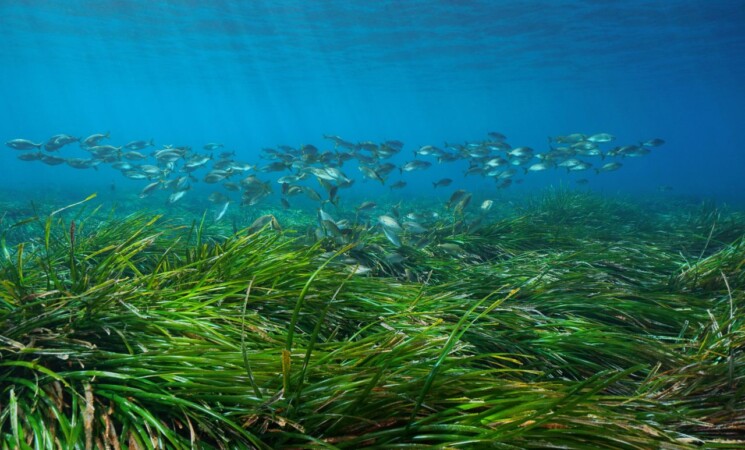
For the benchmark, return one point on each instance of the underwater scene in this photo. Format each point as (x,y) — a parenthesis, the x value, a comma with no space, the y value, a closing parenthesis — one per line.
(372,224)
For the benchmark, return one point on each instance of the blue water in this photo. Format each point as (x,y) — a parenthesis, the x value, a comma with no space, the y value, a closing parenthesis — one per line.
(255,74)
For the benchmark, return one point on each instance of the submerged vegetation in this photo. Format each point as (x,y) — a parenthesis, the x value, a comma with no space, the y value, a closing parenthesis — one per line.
(573,321)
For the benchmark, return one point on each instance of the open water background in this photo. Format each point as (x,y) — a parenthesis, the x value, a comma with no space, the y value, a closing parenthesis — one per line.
(254,74)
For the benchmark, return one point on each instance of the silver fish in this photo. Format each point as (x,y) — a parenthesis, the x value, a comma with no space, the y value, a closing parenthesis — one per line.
(149,189)
(34,156)
(364,206)
(58,141)
(389,222)
(371,174)
(414,227)
(262,221)
(139,145)
(601,138)
(134,175)
(538,167)
(22,144)
(579,167)
(215,176)
(656,142)
(392,236)
(521,152)
(94,139)
(134,156)
(496,162)
(52,160)
(79,163)
(176,196)
(609,167)
(417,164)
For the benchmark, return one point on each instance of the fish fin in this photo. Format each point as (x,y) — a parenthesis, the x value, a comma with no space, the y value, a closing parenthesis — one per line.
(382,181)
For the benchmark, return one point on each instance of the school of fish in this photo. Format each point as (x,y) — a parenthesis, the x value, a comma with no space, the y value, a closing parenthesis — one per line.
(172,170)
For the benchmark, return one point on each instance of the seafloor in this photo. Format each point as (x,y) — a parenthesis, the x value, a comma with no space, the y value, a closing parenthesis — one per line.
(564,319)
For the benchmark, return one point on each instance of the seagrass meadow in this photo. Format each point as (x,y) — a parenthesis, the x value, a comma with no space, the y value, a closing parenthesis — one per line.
(567,320)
